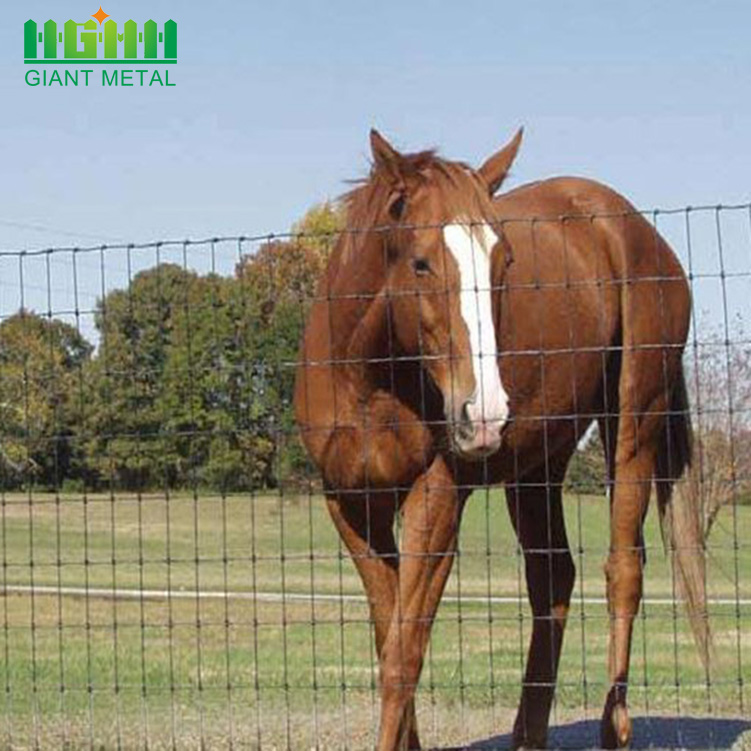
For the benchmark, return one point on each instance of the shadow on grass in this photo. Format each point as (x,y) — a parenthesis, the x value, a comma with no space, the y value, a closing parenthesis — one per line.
(649,733)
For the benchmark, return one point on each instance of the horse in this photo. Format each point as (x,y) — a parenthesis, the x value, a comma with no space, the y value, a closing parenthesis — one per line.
(459,340)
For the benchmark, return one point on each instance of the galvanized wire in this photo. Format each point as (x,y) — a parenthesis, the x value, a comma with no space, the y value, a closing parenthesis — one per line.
(190,612)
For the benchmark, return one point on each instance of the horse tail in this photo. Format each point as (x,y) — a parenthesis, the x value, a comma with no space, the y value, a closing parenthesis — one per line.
(681,517)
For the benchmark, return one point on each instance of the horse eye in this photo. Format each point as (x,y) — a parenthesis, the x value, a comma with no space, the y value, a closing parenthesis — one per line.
(421,266)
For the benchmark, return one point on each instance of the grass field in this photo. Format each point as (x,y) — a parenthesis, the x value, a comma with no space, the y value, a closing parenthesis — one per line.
(250,671)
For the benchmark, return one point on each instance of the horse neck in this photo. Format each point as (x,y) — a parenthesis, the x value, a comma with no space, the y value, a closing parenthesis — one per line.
(359,320)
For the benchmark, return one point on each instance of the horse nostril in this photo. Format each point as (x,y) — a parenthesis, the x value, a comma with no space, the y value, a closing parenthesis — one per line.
(467,428)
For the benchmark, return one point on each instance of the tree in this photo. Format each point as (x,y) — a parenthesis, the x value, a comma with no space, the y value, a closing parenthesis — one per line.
(320,227)
(586,472)
(277,284)
(191,383)
(719,383)
(41,387)
(128,444)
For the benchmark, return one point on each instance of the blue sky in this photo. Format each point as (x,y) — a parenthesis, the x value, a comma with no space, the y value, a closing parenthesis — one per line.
(274,101)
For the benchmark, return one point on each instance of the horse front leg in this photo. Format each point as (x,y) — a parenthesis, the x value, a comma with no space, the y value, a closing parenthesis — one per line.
(365,523)
(430,524)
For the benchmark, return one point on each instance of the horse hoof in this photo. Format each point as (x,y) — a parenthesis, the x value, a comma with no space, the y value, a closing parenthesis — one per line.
(528,740)
(616,729)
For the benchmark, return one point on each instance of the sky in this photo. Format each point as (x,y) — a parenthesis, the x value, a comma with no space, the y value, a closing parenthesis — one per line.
(273,103)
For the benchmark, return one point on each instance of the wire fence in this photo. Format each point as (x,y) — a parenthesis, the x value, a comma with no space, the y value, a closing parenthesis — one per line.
(170,576)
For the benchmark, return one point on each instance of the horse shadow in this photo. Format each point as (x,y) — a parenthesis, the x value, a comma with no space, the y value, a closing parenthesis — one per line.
(649,733)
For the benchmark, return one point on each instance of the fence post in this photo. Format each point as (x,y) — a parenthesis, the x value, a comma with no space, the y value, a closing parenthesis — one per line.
(130,33)
(30,40)
(50,39)
(149,39)
(170,39)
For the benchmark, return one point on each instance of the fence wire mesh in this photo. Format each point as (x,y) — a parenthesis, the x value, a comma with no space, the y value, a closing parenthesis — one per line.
(170,576)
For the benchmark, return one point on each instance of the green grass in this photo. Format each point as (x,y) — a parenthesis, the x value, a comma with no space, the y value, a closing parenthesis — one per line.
(95,672)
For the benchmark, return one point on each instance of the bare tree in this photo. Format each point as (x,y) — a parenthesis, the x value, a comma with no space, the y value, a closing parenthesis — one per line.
(719,382)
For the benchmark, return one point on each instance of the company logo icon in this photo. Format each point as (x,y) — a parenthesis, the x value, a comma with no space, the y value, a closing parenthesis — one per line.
(100,41)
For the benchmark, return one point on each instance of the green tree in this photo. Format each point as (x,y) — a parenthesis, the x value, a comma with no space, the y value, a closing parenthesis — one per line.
(586,472)
(41,399)
(129,446)
(193,379)
(320,227)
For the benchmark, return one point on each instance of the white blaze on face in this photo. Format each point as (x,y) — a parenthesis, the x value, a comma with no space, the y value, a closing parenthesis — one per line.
(471,246)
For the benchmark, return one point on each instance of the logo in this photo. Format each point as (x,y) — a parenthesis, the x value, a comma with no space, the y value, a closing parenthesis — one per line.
(100,40)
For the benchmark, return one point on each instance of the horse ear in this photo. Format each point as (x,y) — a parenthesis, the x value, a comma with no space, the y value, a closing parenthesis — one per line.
(495,169)
(385,155)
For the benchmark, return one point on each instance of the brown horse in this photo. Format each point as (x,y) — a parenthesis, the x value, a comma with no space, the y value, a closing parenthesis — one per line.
(458,340)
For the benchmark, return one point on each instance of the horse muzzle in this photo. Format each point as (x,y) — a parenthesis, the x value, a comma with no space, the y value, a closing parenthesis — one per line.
(477,432)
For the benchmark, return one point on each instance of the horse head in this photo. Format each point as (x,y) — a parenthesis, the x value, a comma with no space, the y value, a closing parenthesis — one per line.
(444,254)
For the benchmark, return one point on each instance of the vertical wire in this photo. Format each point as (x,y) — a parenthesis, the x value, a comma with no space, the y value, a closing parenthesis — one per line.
(26,397)
(302,366)
(162,437)
(215,304)
(63,735)
(578,431)
(698,411)
(666,434)
(369,507)
(424,418)
(168,538)
(105,355)
(610,419)
(610,413)
(332,359)
(426,490)
(669,417)
(485,482)
(731,438)
(551,551)
(621,415)
(86,499)
(247,376)
(140,373)
(613,415)
(7,684)
(458,553)
(453,357)
(195,507)
(514,490)
(281,500)
(397,613)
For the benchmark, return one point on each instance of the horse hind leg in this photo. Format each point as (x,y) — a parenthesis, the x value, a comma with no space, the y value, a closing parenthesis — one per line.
(631,451)
(535,506)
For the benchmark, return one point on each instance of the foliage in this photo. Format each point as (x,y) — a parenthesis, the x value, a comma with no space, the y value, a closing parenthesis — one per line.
(41,363)
(586,472)
(719,383)
(192,383)
(319,228)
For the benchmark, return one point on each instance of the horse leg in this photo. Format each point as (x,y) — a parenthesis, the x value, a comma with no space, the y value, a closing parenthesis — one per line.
(631,481)
(366,526)
(537,515)
(430,526)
